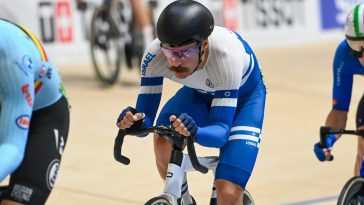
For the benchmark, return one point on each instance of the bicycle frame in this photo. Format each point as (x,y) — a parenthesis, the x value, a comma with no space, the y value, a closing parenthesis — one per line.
(176,187)
(122,26)
(176,176)
(179,162)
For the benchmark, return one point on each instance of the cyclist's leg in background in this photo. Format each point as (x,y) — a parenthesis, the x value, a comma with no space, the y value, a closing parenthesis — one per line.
(188,101)
(33,181)
(142,16)
(238,156)
(359,168)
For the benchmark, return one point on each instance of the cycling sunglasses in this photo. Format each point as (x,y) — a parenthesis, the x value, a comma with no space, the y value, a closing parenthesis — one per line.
(180,53)
(356,47)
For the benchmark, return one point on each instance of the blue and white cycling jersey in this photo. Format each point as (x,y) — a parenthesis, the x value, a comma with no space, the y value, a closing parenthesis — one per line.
(28,82)
(344,68)
(231,71)
(226,99)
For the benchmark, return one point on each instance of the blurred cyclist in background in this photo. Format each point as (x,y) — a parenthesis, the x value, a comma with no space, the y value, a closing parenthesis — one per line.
(222,102)
(140,12)
(34,118)
(348,61)
(142,17)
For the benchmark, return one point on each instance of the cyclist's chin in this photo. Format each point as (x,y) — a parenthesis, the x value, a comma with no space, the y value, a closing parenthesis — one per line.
(180,74)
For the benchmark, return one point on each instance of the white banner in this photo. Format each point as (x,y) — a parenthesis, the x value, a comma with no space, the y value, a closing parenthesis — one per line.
(64,30)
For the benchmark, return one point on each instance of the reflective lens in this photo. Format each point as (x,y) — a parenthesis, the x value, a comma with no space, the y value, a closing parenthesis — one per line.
(356,47)
(180,53)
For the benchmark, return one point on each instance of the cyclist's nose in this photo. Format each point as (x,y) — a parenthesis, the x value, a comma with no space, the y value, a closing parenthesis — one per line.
(175,62)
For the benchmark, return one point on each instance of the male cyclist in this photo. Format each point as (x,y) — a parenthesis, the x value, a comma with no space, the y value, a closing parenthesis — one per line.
(348,61)
(34,118)
(222,102)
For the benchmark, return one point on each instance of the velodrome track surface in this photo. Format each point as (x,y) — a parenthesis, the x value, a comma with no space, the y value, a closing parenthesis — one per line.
(298,80)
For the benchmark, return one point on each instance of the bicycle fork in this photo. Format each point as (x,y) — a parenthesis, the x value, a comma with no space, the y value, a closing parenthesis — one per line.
(176,179)
(213,200)
(176,186)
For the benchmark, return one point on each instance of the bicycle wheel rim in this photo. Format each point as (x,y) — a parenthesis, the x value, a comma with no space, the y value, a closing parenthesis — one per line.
(158,201)
(105,48)
(350,189)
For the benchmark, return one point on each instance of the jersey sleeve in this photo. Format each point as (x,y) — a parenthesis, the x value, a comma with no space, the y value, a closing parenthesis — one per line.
(220,119)
(223,104)
(151,85)
(149,98)
(343,72)
(17,96)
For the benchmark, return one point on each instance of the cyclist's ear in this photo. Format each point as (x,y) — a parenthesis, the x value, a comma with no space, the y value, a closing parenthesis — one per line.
(205,43)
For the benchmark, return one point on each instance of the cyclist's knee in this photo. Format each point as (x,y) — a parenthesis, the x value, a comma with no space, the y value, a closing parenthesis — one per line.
(159,140)
(229,193)
(161,147)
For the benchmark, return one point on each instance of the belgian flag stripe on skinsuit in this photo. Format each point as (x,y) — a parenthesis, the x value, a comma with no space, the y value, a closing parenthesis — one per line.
(37,84)
(37,43)
(34,39)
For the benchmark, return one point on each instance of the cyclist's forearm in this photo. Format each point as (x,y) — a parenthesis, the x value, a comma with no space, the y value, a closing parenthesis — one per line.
(149,96)
(337,119)
(213,136)
(148,105)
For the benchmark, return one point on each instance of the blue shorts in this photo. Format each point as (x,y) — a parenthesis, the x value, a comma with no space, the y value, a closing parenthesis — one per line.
(238,156)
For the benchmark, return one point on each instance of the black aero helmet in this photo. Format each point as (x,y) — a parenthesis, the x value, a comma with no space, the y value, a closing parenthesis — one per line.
(183,22)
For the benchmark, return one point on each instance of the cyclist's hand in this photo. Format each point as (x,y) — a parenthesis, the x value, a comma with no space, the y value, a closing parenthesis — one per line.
(130,119)
(324,154)
(184,124)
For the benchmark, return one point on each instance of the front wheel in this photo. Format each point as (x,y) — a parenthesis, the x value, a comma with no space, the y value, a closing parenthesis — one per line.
(159,200)
(353,192)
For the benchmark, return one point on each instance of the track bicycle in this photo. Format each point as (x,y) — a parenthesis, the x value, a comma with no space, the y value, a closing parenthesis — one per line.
(176,187)
(116,41)
(353,191)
